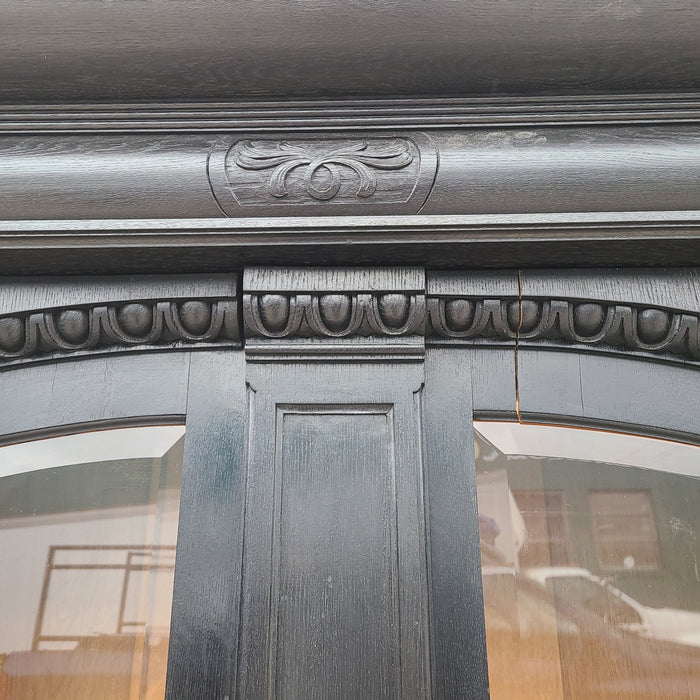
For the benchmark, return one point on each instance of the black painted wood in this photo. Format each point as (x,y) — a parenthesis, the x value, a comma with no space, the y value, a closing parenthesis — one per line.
(458,639)
(335,593)
(110,175)
(625,394)
(23,295)
(493,380)
(362,472)
(337,583)
(50,319)
(565,170)
(644,313)
(303,116)
(604,178)
(670,289)
(334,313)
(454,242)
(76,50)
(48,399)
(596,389)
(461,172)
(206,595)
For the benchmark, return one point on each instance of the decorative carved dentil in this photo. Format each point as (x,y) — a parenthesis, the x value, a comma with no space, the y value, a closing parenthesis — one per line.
(114,326)
(389,174)
(566,322)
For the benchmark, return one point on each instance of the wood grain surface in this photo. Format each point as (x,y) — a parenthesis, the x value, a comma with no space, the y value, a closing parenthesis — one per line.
(78,50)
(459,171)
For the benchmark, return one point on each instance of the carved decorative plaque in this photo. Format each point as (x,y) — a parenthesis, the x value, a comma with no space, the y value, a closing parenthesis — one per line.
(372,175)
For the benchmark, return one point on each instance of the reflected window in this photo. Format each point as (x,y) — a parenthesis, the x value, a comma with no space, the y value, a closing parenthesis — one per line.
(589,545)
(624,529)
(88,528)
(545,519)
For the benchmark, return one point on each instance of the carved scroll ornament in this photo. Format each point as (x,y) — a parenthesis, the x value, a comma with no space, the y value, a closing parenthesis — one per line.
(387,174)
(361,158)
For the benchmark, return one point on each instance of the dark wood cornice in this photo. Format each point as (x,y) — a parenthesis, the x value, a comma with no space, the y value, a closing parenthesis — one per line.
(488,241)
(478,183)
(61,51)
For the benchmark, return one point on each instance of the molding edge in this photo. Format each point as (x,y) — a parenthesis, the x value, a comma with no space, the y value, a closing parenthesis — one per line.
(362,314)
(566,324)
(356,114)
(374,314)
(138,246)
(78,331)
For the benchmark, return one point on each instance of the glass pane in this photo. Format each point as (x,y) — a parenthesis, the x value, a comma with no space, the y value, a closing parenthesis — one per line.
(88,527)
(590,562)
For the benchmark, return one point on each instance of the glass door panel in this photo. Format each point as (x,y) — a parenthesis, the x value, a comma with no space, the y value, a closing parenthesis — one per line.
(590,562)
(88,528)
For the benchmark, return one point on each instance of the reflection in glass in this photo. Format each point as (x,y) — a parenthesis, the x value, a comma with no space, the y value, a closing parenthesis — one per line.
(590,562)
(88,527)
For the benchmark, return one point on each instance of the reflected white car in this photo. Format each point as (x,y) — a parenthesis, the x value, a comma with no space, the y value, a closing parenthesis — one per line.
(579,586)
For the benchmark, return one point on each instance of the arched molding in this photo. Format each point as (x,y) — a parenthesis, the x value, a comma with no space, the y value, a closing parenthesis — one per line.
(49,320)
(358,314)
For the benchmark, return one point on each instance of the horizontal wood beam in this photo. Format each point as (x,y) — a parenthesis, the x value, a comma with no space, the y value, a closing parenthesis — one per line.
(476,241)
(460,171)
(81,50)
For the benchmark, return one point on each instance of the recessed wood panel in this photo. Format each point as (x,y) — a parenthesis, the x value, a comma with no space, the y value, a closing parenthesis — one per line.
(334,600)
(335,608)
